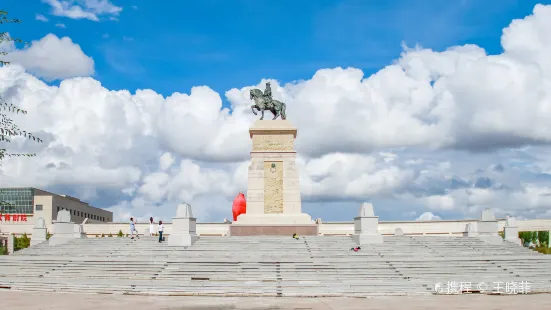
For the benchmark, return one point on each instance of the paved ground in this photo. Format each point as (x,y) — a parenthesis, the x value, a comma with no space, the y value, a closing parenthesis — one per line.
(13,300)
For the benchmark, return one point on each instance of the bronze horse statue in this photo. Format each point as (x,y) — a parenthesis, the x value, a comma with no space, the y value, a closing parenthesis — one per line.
(263,103)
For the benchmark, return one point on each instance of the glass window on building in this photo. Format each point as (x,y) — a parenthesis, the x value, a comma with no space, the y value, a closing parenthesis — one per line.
(38,207)
(16,200)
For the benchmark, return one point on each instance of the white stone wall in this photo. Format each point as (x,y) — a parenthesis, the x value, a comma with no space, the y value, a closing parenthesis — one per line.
(454,228)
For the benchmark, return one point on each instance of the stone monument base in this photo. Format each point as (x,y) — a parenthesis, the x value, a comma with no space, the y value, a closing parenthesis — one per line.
(274,219)
(368,239)
(274,230)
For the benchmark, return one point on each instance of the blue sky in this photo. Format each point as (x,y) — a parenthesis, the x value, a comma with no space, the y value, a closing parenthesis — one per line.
(227,44)
(235,44)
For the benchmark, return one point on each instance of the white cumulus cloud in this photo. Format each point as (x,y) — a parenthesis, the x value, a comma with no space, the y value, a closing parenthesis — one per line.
(428,131)
(86,9)
(53,58)
(428,216)
(41,18)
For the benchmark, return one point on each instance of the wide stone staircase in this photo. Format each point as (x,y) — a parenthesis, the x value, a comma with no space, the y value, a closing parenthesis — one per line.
(278,266)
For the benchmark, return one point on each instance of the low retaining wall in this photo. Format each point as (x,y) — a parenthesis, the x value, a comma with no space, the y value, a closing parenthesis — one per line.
(453,228)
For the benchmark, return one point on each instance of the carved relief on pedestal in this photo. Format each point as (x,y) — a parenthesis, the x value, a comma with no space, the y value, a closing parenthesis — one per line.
(273,187)
(256,165)
(273,143)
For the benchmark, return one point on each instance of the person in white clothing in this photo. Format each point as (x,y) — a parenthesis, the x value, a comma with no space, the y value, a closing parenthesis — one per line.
(151,227)
(160,229)
(133,228)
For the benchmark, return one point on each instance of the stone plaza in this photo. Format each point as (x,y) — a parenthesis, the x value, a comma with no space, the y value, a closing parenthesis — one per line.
(258,257)
(28,301)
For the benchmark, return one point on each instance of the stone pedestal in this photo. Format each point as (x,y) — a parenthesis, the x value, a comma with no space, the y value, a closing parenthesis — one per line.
(183,227)
(79,232)
(488,228)
(39,232)
(274,230)
(11,243)
(470,230)
(510,231)
(64,229)
(273,193)
(366,226)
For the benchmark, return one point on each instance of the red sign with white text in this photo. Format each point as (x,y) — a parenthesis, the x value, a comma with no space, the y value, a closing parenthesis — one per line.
(13,217)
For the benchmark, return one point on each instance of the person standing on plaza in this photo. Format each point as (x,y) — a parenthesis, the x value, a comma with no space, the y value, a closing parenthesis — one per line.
(160,229)
(133,228)
(151,227)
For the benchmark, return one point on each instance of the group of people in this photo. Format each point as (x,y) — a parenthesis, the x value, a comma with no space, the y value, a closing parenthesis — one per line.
(160,228)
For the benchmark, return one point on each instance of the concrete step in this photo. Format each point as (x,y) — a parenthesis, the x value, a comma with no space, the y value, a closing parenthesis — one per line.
(270,266)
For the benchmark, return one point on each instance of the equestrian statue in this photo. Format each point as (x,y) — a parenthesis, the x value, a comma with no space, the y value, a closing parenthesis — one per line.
(264,102)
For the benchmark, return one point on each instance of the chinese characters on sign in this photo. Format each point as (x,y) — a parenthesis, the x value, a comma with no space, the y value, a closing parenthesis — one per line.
(499,287)
(13,217)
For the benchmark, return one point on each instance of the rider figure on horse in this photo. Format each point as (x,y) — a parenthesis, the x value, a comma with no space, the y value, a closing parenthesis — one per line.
(263,101)
(268,95)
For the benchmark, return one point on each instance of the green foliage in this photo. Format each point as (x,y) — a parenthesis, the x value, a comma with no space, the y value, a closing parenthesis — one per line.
(22,242)
(4,36)
(526,236)
(3,250)
(543,250)
(110,235)
(535,236)
(102,235)
(127,235)
(8,129)
(120,234)
(48,235)
(543,237)
(502,234)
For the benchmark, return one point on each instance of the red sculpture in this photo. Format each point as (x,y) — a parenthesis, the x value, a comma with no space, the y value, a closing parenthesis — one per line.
(239,206)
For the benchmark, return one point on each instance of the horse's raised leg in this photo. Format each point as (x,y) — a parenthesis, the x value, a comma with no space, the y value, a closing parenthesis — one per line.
(262,115)
(252,108)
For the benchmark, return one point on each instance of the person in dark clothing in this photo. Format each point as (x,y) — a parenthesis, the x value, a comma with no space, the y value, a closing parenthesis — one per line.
(160,229)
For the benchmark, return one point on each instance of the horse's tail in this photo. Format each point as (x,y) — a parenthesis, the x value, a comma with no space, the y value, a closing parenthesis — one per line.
(283,116)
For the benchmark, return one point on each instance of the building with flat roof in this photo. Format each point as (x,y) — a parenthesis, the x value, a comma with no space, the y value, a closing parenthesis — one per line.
(21,205)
